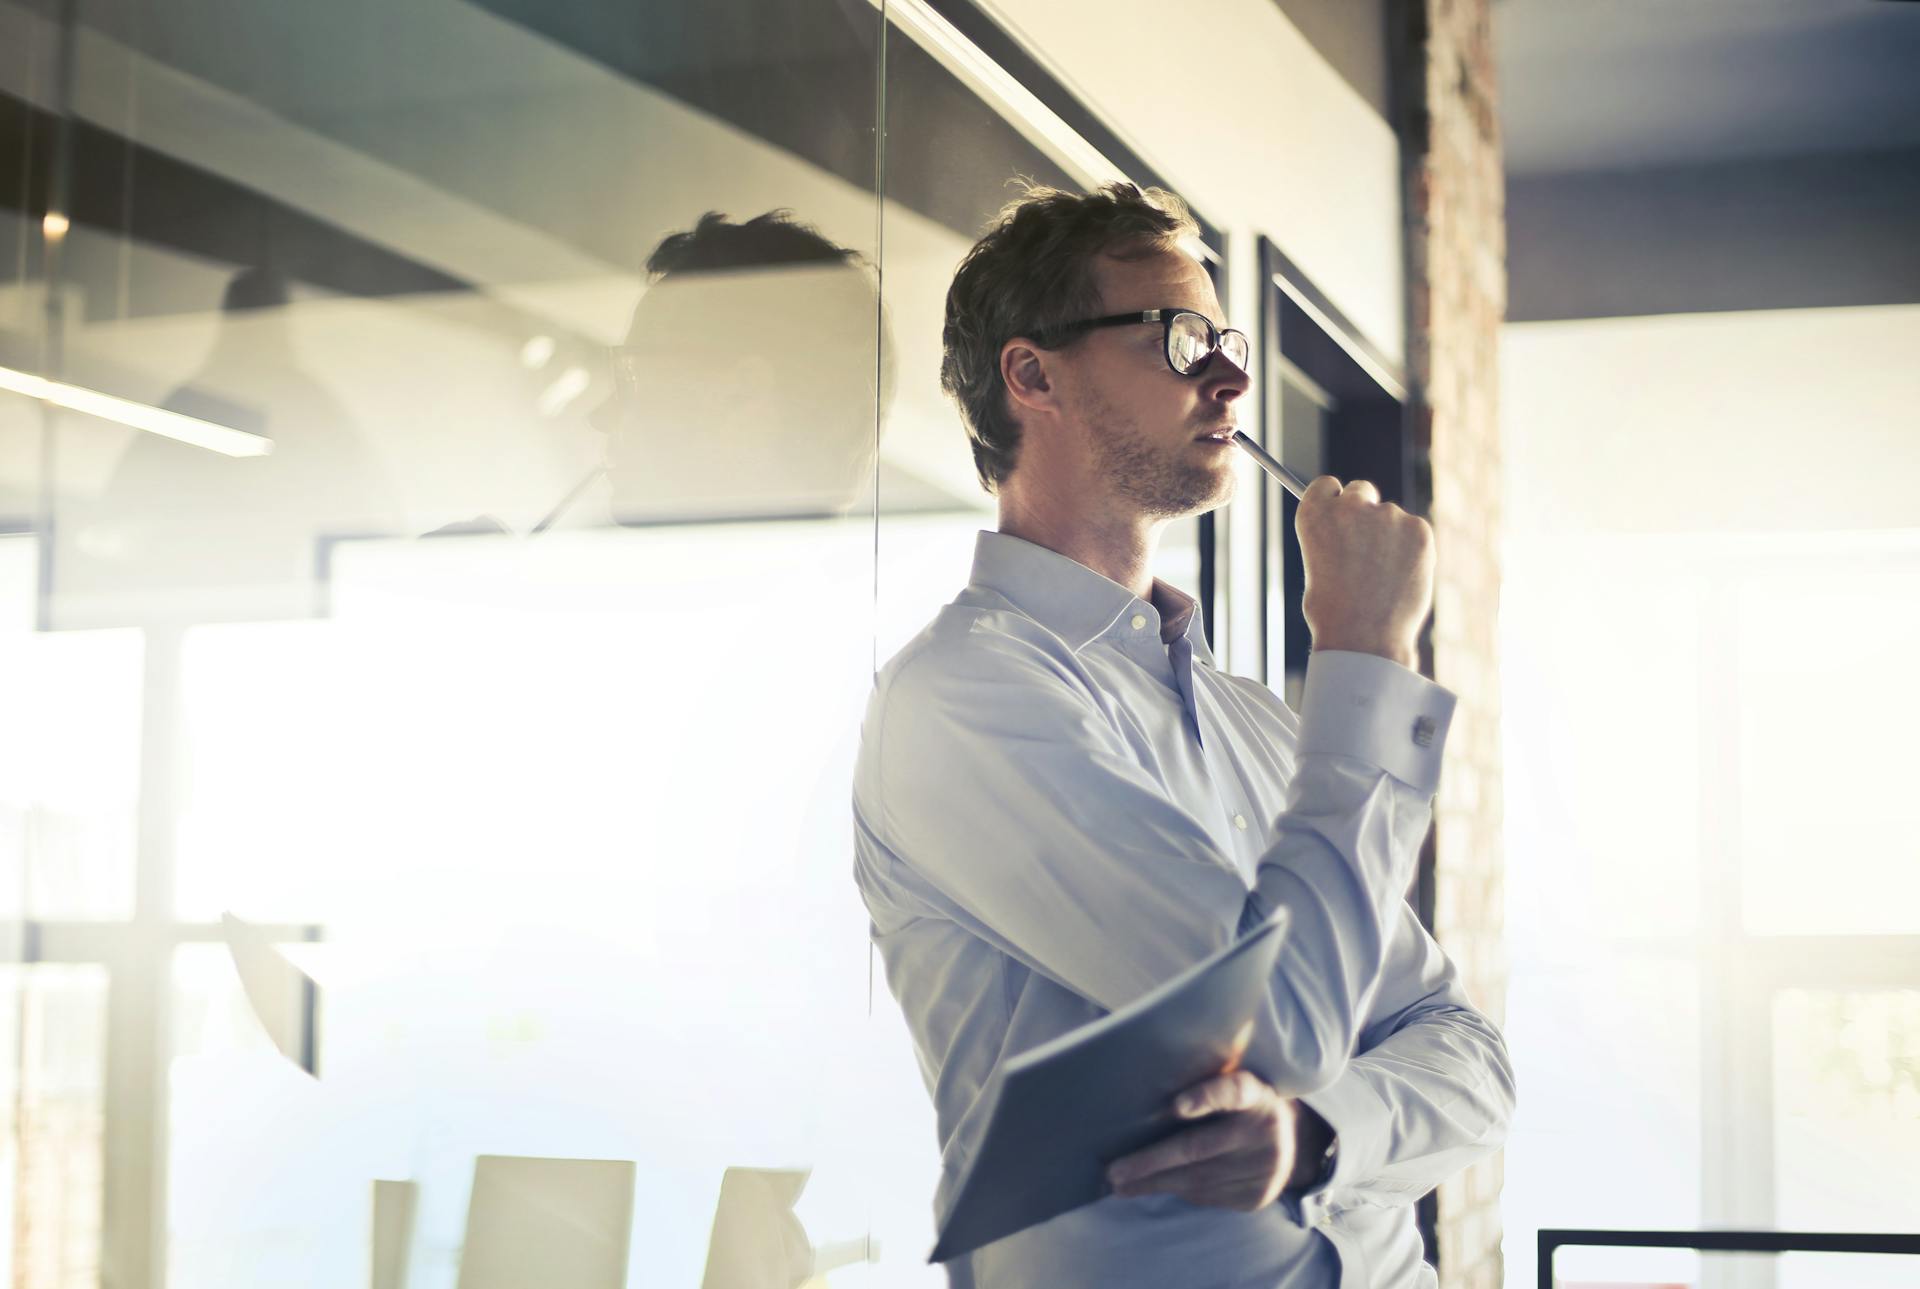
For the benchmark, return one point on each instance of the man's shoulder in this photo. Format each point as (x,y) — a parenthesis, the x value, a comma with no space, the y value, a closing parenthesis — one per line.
(977,643)
(975,678)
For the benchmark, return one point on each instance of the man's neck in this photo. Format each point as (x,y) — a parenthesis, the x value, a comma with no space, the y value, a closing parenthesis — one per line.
(1119,550)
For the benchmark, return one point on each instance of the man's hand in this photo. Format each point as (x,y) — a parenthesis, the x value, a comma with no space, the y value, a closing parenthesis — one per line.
(1369,570)
(1256,1144)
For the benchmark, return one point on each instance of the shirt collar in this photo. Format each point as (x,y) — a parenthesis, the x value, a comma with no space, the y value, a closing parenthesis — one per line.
(1070,599)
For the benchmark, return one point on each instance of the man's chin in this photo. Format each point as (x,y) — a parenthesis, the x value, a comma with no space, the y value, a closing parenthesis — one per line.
(1198,501)
(1219,494)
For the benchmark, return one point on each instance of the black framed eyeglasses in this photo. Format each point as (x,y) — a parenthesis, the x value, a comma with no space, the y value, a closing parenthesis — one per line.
(1190,339)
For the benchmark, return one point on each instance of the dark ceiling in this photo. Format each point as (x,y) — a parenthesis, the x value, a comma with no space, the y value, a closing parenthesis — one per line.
(1625,84)
(1694,156)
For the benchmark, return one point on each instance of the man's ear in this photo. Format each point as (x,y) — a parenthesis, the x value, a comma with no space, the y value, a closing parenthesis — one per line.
(1023,368)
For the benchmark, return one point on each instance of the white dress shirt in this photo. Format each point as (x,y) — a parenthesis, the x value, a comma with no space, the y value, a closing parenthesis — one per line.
(1060,803)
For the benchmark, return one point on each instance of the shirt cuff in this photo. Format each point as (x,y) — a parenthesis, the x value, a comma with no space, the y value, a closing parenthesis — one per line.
(1361,1122)
(1371,708)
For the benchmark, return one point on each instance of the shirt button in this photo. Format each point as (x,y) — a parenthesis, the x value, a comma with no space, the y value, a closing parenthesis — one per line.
(1240,822)
(1139,620)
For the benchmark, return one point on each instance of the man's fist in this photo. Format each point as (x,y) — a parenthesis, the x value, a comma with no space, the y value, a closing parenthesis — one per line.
(1369,570)
(1246,1152)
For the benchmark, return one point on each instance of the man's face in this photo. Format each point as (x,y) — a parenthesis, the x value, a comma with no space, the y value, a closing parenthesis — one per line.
(746,389)
(1145,426)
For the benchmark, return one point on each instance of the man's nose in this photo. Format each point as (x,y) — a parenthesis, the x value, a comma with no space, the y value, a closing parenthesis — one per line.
(1225,379)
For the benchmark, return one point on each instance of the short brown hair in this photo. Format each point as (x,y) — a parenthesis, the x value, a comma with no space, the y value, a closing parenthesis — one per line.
(1028,275)
(845,310)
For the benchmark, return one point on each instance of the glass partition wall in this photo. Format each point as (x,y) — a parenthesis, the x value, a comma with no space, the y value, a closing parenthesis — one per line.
(460,468)
(438,459)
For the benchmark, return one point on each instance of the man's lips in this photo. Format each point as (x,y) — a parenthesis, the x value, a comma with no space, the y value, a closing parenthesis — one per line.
(1224,434)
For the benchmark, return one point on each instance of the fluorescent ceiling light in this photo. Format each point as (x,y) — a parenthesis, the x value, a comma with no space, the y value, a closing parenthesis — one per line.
(141,416)
(1016,104)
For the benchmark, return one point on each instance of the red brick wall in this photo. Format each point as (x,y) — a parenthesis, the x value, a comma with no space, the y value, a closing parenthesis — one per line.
(1446,110)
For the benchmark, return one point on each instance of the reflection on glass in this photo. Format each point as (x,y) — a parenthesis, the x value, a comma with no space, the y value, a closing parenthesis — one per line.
(267,1173)
(547,1221)
(746,384)
(564,787)
(284,998)
(564,790)
(19,570)
(52,1075)
(182,532)
(69,766)
(393,1207)
(759,1243)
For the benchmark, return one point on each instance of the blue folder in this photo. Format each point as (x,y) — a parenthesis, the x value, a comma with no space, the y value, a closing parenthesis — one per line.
(1064,1110)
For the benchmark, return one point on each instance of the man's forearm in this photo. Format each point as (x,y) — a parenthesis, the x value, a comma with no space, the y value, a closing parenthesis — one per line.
(1367,766)
(1431,1089)
(1431,1099)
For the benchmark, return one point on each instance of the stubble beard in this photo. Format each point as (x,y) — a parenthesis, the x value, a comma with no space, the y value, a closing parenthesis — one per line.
(1161,478)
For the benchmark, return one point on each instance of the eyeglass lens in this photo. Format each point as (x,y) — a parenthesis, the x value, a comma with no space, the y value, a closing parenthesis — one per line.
(1190,342)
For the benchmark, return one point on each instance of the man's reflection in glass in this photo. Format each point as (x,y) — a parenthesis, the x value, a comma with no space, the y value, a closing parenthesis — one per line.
(746,389)
(747,384)
(185,533)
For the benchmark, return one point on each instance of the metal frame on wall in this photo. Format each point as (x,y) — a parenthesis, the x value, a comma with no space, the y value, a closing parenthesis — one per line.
(1309,346)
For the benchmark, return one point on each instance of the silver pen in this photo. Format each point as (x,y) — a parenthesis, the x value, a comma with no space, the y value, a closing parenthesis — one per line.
(1271,464)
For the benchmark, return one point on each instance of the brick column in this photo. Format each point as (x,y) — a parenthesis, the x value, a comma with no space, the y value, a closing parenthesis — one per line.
(1446,114)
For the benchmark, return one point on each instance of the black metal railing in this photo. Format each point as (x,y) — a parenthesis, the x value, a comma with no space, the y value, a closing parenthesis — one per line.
(1725,1242)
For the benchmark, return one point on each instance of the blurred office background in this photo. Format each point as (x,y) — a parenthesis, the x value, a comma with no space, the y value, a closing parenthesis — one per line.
(1711,414)
(462,461)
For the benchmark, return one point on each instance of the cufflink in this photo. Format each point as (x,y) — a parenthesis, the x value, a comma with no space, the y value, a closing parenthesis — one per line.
(1423,731)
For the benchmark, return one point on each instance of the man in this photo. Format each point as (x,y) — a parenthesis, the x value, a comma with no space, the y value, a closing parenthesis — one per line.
(1060,803)
(191,536)
(746,386)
